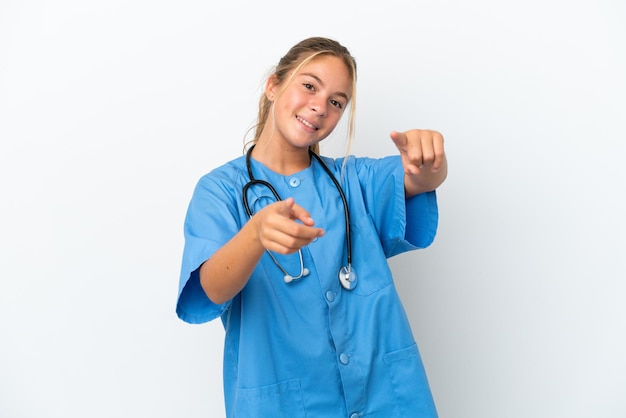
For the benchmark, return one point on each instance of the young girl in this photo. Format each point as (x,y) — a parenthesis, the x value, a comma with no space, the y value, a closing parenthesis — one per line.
(290,250)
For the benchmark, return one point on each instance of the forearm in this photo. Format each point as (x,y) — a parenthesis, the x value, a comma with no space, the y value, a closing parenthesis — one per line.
(426,180)
(228,270)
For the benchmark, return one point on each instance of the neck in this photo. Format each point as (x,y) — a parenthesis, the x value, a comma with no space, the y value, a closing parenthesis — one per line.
(280,160)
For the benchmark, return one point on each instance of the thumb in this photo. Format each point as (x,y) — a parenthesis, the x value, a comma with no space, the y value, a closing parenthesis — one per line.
(287,206)
(291,210)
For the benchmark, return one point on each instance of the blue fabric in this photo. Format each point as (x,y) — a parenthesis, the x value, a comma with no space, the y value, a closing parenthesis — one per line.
(310,348)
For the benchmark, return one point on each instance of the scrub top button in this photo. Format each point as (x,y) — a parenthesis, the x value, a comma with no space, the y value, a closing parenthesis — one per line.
(330,296)
(344,359)
(294,182)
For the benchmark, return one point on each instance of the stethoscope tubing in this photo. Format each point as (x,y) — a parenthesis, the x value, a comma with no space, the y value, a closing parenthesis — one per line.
(253,181)
(344,201)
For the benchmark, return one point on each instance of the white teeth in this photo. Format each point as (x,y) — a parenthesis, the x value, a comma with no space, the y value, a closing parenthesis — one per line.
(306,123)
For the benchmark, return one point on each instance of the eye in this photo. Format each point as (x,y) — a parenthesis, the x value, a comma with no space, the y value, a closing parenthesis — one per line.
(336,103)
(309,86)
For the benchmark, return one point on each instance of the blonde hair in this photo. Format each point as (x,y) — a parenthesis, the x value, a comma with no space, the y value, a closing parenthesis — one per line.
(297,57)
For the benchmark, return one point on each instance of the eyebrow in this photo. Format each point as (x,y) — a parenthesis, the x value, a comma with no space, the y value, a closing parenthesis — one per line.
(319,80)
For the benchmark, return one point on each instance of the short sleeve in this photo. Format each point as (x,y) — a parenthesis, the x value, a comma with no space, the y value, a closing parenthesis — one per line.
(422,219)
(402,224)
(211,221)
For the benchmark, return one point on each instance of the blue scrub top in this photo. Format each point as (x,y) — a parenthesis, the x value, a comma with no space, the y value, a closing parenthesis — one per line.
(310,348)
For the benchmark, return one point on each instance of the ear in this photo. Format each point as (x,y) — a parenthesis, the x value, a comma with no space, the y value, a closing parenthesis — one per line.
(271,87)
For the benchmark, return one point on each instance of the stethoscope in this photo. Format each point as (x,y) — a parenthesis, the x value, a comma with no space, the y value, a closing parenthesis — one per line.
(347,275)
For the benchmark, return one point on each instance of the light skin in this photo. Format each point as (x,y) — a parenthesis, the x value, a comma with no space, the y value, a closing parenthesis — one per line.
(306,111)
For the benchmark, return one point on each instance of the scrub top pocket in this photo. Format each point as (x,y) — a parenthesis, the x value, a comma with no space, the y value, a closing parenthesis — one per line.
(280,400)
(409,382)
(369,260)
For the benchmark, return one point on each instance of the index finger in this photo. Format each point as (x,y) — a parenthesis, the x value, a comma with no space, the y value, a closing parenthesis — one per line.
(399,138)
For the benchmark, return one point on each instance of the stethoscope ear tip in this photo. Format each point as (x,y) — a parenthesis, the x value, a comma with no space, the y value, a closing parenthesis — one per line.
(288,278)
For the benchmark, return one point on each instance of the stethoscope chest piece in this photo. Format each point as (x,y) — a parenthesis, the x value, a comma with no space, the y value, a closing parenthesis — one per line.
(348,277)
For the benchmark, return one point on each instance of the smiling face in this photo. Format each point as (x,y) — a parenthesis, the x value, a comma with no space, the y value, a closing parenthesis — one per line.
(309,106)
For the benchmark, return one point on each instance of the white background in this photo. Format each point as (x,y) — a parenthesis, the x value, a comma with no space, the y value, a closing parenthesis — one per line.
(111,111)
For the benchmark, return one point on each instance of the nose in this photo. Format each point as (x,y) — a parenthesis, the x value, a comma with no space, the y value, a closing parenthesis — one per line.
(319,106)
